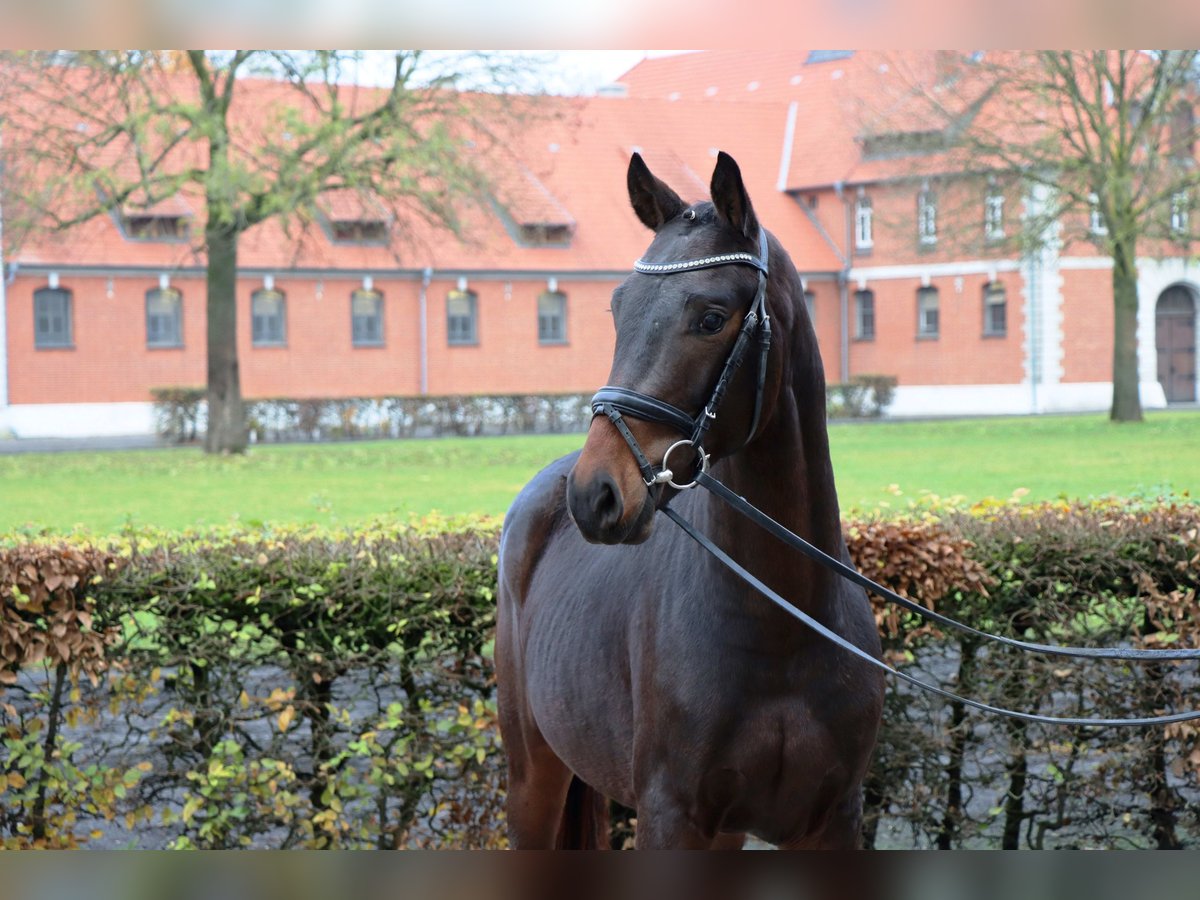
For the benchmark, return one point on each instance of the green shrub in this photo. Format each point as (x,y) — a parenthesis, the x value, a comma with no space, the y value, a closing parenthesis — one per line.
(314,688)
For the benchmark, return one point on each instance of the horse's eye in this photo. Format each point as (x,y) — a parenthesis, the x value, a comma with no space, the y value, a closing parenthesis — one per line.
(712,322)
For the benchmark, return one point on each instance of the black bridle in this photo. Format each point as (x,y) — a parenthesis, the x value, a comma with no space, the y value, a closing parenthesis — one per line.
(614,401)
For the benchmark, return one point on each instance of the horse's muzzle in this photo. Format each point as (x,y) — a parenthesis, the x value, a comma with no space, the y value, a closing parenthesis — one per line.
(603,514)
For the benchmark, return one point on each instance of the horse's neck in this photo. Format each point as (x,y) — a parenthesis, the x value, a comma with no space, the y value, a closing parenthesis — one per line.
(786,473)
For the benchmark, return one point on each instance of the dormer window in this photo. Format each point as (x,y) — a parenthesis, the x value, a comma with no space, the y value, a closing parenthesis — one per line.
(350,217)
(545,234)
(143,227)
(359,231)
(169,219)
(530,212)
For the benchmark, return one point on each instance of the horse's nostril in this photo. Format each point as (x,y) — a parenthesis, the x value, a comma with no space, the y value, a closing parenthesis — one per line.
(606,502)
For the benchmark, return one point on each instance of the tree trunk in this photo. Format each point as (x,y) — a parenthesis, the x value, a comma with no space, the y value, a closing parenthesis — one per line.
(949,835)
(1126,404)
(226,411)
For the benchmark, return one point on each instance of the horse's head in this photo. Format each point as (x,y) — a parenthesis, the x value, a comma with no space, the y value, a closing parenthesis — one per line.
(677,326)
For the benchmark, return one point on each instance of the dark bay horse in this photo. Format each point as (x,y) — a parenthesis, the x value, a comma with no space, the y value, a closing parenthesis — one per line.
(630,664)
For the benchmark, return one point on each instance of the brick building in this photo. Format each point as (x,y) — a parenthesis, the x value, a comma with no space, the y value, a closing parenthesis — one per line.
(92,320)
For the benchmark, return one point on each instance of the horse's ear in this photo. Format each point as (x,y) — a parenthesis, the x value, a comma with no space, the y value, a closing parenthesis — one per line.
(730,199)
(652,200)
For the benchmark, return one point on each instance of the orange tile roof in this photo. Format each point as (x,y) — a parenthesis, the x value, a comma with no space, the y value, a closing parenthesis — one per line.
(566,165)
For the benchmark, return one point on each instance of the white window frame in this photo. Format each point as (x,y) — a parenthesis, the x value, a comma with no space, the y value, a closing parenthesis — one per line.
(864,224)
(1180,213)
(993,217)
(1096,223)
(926,218)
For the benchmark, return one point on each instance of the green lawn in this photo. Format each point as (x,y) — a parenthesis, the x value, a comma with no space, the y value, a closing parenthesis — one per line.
(1073,456)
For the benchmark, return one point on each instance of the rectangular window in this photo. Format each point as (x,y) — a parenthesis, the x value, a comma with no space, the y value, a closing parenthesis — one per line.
(810,303)
(864,235)
(927,312)
(864,315)
(552,318)
(1096,223)
(148,227)
(52,318)
(461,317)
(926,219)
(164,318)
(1179,214)
(359,231)
(995,310)
(366,318)
(993,217)
(268,325)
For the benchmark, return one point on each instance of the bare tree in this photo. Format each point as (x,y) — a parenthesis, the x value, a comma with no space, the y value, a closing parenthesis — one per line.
(1104,143)
(251,136)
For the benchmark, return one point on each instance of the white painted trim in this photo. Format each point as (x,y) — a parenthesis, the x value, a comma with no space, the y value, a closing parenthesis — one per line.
(1154,277)
(934,270)
(1011,399)
(789,137)
(3,331)
(1085,263)
(72,420)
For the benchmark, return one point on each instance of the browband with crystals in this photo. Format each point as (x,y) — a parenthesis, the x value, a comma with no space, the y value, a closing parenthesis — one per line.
(707,262)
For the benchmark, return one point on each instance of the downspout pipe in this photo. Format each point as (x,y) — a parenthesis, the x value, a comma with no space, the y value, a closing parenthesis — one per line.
(5,280)
(844,285)
(426,278)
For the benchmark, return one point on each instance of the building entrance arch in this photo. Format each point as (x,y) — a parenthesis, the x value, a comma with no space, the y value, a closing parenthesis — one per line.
(1175,341)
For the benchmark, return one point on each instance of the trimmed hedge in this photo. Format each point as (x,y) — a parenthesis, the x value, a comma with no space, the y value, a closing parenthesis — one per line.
(305,688)
(180,413)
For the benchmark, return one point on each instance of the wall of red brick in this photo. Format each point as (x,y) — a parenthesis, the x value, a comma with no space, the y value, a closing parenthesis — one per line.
(110,361)
(1087,316)
(960,354)
(508,357)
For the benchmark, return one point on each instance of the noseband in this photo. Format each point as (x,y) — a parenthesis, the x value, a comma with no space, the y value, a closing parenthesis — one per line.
(614,401)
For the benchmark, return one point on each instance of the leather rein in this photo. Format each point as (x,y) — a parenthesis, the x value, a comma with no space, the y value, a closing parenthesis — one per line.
(615,402)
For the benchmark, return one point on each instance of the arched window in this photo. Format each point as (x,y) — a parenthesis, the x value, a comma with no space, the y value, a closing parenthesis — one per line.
(164,317)
(864,315)
(268,318)
(927,312)
(52,318)
(462,317)
(552,317)
(366,318)
(995,310)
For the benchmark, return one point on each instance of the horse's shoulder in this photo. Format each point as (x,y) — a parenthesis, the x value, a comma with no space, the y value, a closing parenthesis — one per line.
(539,510)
